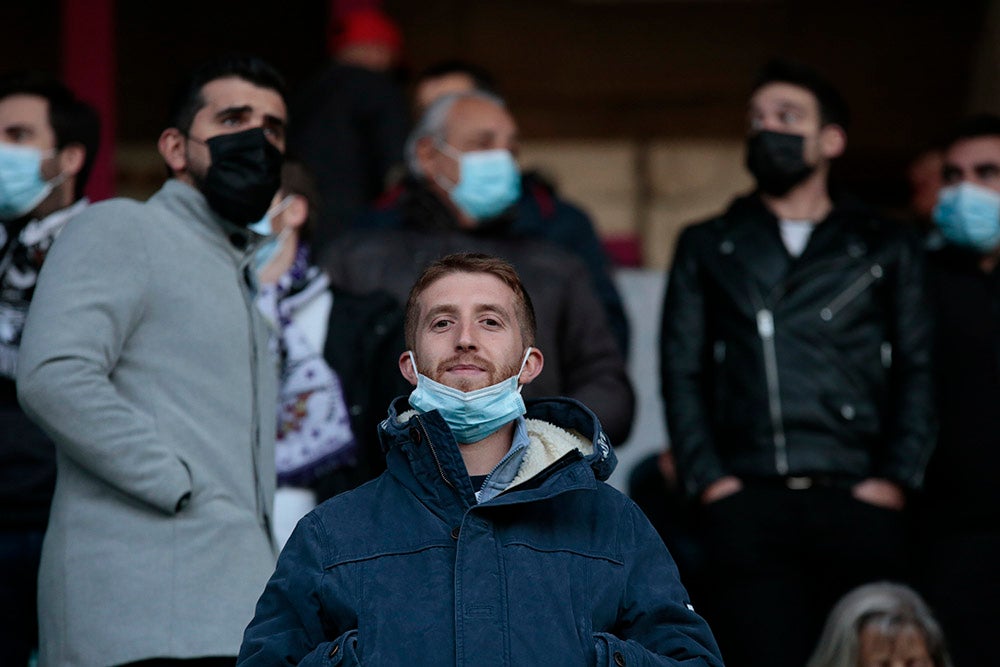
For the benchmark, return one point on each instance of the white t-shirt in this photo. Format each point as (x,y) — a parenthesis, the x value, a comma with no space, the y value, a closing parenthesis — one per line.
(795,234)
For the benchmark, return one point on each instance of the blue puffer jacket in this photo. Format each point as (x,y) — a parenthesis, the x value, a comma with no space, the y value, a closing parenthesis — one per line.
(559,569)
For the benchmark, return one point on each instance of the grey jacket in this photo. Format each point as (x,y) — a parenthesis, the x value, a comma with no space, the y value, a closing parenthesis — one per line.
(145,361)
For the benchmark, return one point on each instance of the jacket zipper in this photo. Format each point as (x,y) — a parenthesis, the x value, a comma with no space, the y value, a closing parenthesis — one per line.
(852,292)
(765,329)
(437,461)
(248,302)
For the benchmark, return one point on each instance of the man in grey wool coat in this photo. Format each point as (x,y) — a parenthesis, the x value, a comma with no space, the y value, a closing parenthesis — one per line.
(146,362)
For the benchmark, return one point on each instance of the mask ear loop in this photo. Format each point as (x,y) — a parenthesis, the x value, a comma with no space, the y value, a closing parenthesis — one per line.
(527,353)
(413,362)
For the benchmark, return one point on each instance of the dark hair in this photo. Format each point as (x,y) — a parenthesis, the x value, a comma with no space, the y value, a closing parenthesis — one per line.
(973,127)
(482,79)
(297,179)
(472,263)
(72,120)
(188,98)
(833,109)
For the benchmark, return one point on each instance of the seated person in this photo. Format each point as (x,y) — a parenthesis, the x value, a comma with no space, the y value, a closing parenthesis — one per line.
(881,625)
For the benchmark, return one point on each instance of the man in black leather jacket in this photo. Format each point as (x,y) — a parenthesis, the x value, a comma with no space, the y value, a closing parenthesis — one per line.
(795,368)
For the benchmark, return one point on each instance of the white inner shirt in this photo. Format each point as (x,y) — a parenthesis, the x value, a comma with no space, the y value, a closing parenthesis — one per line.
(795,234)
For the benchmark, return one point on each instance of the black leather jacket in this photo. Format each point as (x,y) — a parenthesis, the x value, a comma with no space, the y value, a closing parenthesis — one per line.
(774,366)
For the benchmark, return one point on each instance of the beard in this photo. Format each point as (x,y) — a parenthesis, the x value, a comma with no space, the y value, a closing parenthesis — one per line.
(494,373)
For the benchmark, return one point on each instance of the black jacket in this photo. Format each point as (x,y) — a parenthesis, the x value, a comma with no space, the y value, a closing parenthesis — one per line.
(363,342)
(961,489)
(774,366)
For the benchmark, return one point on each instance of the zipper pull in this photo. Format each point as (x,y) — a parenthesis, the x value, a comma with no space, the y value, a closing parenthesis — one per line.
(765,323)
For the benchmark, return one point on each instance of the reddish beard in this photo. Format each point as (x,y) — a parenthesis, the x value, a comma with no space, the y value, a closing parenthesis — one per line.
(494,373)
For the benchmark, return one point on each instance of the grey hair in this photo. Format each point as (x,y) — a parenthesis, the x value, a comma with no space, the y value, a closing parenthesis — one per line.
(892,607)
(434,123)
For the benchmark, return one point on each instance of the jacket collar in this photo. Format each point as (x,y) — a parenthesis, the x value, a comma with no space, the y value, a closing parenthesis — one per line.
(423,210)
(189,204)
(423,455)
(751,237)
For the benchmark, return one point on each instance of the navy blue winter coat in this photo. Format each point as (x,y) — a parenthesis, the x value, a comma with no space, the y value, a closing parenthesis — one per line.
(559,569)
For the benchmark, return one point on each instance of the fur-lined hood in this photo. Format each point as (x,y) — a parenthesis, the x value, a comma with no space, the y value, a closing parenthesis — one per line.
(556,427)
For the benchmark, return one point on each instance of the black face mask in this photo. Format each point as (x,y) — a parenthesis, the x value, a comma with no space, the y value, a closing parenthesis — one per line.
(776,160)
(244,175)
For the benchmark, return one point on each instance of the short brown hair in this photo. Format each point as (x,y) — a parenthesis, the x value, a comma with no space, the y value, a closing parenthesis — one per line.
(472,263)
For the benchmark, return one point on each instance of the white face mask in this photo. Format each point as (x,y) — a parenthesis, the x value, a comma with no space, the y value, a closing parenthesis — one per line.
(471,415)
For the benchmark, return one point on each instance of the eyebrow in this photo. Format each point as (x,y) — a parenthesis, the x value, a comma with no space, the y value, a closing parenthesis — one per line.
(448,309)
(233,111)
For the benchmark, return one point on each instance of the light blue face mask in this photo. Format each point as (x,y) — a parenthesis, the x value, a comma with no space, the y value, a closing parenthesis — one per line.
(270,246)
(488,182)
(471,415)
(22,187)
(968,215)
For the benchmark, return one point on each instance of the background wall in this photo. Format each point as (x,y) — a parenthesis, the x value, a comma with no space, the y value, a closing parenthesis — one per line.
(635,107)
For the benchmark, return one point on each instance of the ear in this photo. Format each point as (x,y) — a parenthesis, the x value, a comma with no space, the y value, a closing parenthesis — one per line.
(298,210)
(532,366)
(406,368)
(425,152)
(71,159)
(833,141)
(172,146)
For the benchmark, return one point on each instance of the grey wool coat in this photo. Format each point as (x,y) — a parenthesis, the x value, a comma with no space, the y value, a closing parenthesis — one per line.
(145,361)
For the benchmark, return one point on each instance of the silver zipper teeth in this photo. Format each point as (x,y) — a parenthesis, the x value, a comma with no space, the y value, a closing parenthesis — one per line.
(849,294)
(765,328)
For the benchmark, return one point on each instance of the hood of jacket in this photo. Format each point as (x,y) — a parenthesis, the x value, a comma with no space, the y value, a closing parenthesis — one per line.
(567,449)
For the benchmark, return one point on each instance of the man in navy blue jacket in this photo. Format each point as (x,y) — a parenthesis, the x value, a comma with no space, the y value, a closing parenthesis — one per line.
(491,539)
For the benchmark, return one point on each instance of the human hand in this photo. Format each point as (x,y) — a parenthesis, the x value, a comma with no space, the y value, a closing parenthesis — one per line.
(720,488)
(880,492)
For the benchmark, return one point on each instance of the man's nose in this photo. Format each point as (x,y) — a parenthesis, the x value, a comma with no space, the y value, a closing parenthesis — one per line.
(465,338)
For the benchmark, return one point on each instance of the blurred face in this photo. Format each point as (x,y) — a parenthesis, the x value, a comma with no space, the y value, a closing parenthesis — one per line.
(789,109)
(907,648)
(975,160)
(468,336)
(233,105)
(24,121)
(431,89)
(473,125)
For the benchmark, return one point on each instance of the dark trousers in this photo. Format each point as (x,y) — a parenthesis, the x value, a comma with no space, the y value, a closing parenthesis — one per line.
(780,558)
(960,581)
(19,556)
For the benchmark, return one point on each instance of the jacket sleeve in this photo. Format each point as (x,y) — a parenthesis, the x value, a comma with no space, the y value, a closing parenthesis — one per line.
(89,300)
(912,429)
(290,625)
(592,365)
(683,344)
(656,623)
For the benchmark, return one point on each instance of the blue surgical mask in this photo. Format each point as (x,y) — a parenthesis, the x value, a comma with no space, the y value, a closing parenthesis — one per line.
(968,215)
(267,249)
(488,182)
(22,187)
(471,415)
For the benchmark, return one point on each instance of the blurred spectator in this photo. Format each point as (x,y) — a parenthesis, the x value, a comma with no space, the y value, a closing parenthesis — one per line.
(338,361)
(881,625)
(654,487)
(463,179)
(539,213)
(351,122)
(924,177)
(960,524)
(145,361)
(796,377)
(48,141)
